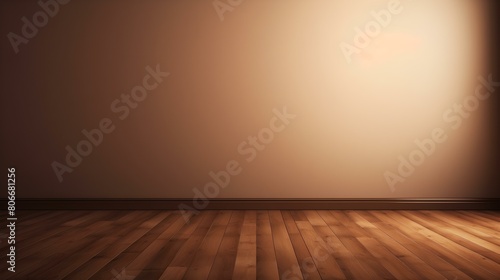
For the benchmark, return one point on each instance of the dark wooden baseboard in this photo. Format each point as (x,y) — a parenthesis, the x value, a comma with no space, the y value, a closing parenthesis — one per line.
(270,204)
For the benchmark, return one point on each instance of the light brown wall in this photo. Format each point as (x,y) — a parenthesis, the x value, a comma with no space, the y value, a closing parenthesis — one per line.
(226,77)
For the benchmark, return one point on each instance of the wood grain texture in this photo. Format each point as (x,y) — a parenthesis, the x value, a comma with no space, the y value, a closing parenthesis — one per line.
(257,244)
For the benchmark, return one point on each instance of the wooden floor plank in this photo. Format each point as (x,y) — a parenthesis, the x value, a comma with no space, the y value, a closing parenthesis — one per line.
(389,260)
(348,234)
(245,266)
(44,256)
(156,267)
(142,237)
(225,259)
(150,252)
(285,254)
(307,269)
(126,237)
(457,235)
(274,244)
(481,219)
(186,254)
(351,267)
(422,260)
(205,255)
(173,273)
(326,264)
(467,224)
(441,246)
(267,268)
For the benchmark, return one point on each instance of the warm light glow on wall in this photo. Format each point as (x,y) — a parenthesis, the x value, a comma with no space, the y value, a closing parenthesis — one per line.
(365,79)
(359,117)
(355,119)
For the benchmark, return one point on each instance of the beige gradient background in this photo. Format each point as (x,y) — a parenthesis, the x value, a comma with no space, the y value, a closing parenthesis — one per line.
(353,120)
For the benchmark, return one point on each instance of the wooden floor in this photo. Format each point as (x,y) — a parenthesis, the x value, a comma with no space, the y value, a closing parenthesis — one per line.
(290,245)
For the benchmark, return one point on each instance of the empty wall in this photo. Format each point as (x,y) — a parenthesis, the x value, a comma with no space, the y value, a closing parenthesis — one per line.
(290,99)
